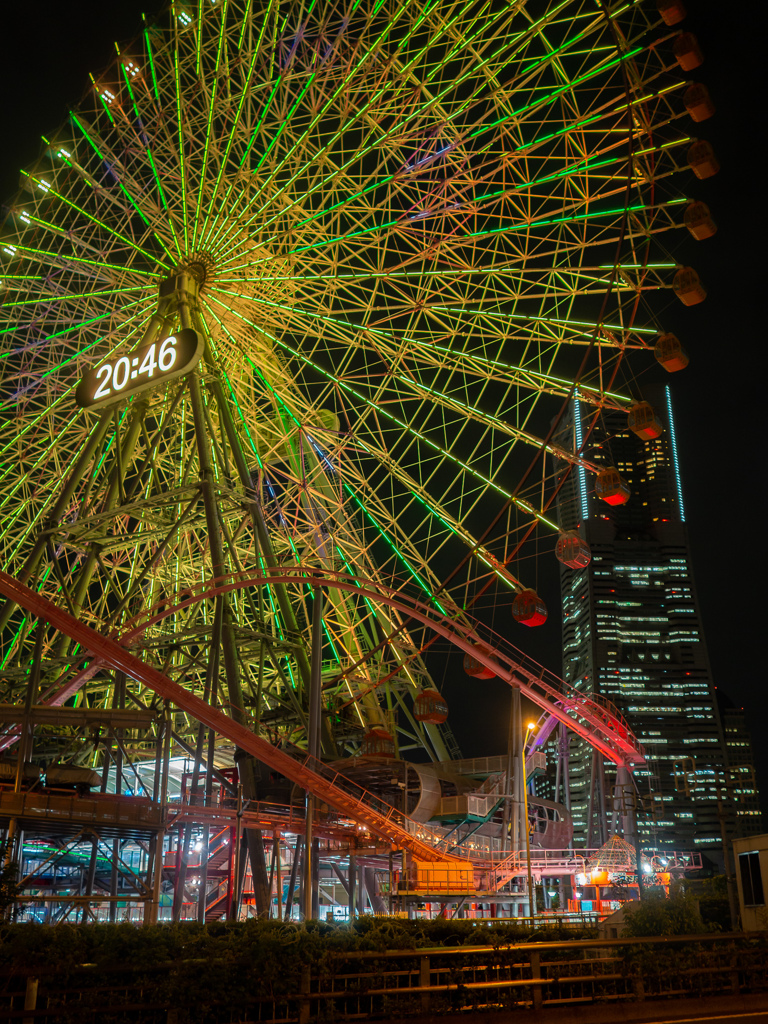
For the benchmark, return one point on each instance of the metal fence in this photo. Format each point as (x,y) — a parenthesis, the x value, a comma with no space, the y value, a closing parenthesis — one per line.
(389,983)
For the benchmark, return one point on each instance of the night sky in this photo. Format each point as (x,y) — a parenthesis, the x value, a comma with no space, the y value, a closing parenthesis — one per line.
(48,50)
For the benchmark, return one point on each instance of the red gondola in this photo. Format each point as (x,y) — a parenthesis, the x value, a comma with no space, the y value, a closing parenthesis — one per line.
(528,608)
(698,102)
(572,550)
(475,668)
(378,742)
(670,353)
(702,160)
(698,220)
(687,287)
(643,420)
(609,487)
(672,11)
(687,51)
(430,706)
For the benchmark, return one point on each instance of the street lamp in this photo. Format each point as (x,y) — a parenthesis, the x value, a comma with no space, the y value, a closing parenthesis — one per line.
(531,891)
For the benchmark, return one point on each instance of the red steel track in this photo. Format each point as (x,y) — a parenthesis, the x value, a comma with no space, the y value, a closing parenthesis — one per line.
(594,718)
(599,724)
(339,792)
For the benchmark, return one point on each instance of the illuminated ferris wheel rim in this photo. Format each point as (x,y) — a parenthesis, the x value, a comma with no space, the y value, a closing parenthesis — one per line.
(424,264)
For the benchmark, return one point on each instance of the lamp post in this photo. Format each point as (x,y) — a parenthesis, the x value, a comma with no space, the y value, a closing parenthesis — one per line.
(531,891)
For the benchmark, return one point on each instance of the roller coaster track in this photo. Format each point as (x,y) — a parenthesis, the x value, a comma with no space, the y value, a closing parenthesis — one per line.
(598,723)
(339,792)
(594,718)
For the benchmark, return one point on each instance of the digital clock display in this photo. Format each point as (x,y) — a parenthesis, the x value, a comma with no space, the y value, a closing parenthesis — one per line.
(139,370)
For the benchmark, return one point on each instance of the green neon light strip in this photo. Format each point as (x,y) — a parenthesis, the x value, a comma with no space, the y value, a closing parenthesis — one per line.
(569,87)
(285,123)
(260,121)
(104,104)
(573,219)
(76,355)
(73,296)
(211,108)
(84,213)
(563,383)
(198,30)
(524,506)
(121,186)
(235,121)
(65,330)
(343,86)
(80,259)
(388,336)
(415,433)
(247,19)
(406,222)
(151,60)
(141,141)
(525,36)
(568,128)
(375,613)
(12,645)
(489,421)
(151,160)
(383,533)
(480,552)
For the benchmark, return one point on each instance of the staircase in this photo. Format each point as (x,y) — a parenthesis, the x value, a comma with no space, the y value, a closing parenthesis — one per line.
(219,866)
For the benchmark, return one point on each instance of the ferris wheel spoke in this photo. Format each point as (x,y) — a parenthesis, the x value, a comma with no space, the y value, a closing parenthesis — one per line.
(316,120)
(70,235)
(119,173)
(116,201)
(442,515)
(364,507)
(55,368)
(244,97)
(377,138)
(208,132)
(418,436)
(473,70)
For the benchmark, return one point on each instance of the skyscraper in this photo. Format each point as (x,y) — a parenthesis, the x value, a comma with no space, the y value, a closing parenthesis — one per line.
(632,633)
(741,767)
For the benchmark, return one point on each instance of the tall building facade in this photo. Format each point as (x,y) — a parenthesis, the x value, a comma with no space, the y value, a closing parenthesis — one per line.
(632,633)
(741,767)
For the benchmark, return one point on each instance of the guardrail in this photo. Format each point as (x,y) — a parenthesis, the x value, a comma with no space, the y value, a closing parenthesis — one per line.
(351,985)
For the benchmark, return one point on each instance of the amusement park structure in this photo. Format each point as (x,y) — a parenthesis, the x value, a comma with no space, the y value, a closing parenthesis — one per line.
(293,306)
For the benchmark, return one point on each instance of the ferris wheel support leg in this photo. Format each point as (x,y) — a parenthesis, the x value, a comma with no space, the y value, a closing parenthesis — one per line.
(115,474)
(311,873)
(65,496)
(260,528)
(254,838)
(514,828)
(597,823)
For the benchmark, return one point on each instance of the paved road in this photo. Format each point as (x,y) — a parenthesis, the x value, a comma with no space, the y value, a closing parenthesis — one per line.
(749,1009)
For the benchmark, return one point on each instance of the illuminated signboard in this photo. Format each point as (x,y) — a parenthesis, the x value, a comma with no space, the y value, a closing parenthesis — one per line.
(139,370)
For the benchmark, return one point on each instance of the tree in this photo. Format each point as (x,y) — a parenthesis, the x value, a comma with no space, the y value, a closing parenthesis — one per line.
(9,880)
(676,914)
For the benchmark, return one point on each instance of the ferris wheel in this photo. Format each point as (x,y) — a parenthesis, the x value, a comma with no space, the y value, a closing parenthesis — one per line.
(389,243)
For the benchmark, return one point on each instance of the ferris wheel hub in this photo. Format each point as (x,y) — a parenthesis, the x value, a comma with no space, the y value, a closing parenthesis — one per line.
(200,266)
